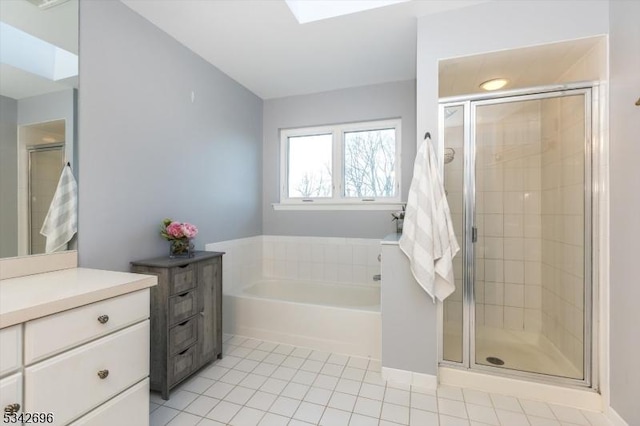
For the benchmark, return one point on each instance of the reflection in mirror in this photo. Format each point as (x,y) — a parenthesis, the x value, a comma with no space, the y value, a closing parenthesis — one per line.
(38,93)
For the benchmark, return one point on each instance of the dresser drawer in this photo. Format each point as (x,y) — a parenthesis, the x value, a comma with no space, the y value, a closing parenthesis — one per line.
(183,335)
(182,278)
(11,392)
(89,375)
(182,364)
(129,408)
(182,307)
(10,349)
(56,333)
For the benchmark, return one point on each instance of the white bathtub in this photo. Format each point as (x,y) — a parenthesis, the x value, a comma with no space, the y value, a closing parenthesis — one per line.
(341,318)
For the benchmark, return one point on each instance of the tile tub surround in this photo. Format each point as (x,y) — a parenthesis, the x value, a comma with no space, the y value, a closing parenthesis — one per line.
(343,260)
(263,383)
(337,263)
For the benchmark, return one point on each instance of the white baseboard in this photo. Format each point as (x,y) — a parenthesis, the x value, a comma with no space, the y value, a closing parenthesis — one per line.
(614,417)
(410,378)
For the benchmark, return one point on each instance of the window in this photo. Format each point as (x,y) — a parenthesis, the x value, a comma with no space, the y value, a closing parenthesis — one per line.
(341,164)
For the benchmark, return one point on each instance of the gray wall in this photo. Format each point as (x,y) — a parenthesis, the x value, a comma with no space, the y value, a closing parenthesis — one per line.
(148,152)
(409,316)
(389,100)
(8,177)
(624,127)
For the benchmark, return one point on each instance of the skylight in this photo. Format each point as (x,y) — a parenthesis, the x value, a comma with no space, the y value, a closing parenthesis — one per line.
(316,10)
(28,53)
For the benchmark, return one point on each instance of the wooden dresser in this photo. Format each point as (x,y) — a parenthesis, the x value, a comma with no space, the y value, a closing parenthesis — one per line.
(186,316)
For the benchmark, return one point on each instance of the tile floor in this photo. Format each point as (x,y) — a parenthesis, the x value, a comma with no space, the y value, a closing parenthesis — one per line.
(268,384)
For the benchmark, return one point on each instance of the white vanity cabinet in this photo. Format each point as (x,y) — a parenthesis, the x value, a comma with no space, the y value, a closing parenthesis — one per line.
(11,393)
(10,366)
(87,361)
(10,349)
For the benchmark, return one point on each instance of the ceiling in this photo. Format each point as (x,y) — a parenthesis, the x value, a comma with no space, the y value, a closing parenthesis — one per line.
(57,25)
(261,45)
(526,67)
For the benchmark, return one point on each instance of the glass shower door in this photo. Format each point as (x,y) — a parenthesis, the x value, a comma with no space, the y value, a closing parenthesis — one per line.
(45,166)
(517,174)
(454,335)
(529,258)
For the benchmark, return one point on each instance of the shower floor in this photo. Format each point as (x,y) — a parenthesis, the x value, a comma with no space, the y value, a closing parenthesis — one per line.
(520,350)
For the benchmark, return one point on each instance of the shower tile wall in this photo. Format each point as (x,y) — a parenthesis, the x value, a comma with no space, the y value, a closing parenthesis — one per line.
(508,216)
(563,225)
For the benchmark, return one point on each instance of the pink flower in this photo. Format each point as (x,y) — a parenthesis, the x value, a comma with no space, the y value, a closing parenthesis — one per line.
(172,230)
(189,230)
(175,230)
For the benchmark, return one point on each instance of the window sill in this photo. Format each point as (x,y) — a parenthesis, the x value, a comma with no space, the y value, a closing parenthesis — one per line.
(391,206)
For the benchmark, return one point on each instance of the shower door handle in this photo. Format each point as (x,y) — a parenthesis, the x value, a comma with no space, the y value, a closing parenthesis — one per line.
(474,234)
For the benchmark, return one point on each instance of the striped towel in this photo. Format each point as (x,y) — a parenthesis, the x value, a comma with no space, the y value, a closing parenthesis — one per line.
(61,222)
(427,238)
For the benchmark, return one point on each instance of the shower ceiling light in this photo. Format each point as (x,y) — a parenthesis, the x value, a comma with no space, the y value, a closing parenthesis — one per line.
(494,84)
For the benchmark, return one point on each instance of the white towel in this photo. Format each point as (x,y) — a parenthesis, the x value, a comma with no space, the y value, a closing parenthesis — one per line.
(427,238)
(61,222)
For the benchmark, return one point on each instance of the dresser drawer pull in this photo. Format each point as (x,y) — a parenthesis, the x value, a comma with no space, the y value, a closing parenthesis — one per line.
(102,319)
(184,352)
(12,408)
(103,374)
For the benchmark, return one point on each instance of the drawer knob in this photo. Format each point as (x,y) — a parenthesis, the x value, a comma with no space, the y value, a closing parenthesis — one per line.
(12,408)
(103,374)
(102,319)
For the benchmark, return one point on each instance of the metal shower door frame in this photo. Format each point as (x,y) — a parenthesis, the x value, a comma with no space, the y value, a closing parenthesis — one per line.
(470,104)
(57,146)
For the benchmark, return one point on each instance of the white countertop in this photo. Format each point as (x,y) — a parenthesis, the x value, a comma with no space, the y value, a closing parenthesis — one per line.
(391,240)
(34,296)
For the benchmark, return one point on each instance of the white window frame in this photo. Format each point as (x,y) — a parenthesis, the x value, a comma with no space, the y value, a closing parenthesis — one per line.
(338,200)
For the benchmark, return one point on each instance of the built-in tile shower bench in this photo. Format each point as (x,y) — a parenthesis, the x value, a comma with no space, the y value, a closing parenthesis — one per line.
(74,343)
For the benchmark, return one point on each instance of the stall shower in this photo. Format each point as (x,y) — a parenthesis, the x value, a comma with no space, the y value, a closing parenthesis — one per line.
(517,171)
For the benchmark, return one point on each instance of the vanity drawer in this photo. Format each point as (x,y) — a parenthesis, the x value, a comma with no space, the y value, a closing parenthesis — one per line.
(182,364)
(129,408)
(183,335)
(182,307)
(183,278)
(10,349)
(89,375)
(56,333)
(11,393)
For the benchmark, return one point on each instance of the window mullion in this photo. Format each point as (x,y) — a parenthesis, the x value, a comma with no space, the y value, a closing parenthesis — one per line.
(337,163)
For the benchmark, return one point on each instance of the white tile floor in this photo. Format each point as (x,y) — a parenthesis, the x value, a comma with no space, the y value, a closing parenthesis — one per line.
(266,384)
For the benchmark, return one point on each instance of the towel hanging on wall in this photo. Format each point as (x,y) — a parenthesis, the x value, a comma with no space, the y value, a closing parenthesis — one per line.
(427,238)
(61,222)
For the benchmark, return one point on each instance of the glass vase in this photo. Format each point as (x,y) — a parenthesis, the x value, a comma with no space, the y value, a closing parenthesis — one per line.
(182,247)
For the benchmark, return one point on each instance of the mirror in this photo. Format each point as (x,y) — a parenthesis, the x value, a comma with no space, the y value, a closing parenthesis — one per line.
(38,100)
